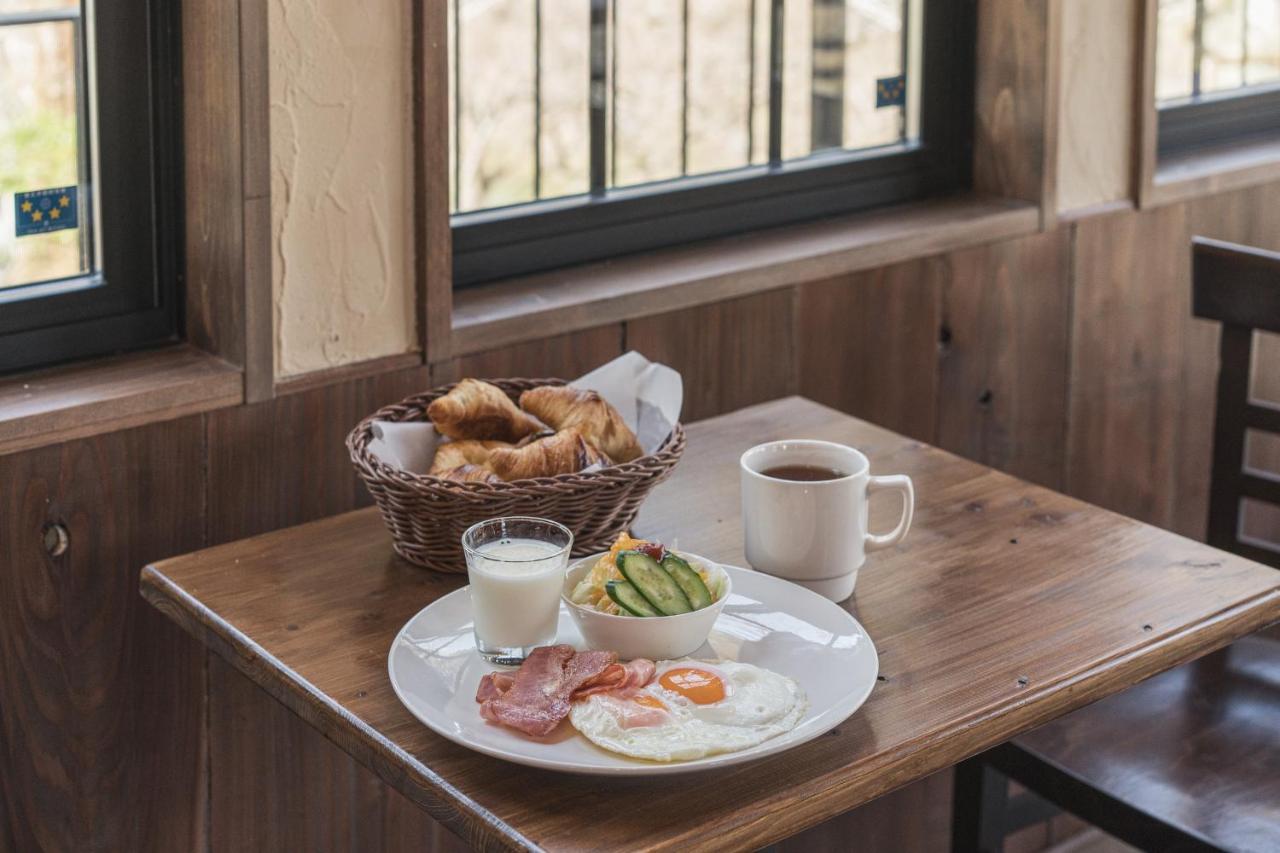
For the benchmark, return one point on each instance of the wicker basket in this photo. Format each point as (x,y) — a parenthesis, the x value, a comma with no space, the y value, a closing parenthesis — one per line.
(427,515)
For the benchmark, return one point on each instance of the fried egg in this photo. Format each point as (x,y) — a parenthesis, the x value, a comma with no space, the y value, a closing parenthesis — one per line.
(692,709)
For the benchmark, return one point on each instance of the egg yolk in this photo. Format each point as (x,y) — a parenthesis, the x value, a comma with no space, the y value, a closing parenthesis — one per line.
(697,685)
(649,701)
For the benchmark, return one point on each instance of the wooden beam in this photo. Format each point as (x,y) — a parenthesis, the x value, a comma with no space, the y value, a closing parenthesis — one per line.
(1144,104)
(433,261)
(228,187)
(1015,124)
(255,153)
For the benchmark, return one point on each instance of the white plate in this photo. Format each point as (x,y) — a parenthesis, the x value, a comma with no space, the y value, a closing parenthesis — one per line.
(767,621)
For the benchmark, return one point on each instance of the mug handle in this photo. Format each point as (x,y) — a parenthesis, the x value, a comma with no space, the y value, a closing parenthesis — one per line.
(900,483)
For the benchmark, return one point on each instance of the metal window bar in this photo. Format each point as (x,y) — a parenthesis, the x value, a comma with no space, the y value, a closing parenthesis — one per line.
(826,117)
(74,16)
(827,95)
(775,82)
(537,98)
(904,53)
(598,93)
(1197,48)
(457,104)
(1244,43)
(613,94)
(751,83)
(684,87)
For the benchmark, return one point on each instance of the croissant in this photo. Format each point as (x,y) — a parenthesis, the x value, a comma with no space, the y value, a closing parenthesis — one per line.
(475,409)
(566,452)
(562,407)
(469,474)
(454,454)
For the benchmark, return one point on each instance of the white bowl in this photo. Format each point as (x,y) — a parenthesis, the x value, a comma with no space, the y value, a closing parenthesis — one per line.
(652,637)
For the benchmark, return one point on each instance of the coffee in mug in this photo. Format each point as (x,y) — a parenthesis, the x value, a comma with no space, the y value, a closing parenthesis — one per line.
(805,508)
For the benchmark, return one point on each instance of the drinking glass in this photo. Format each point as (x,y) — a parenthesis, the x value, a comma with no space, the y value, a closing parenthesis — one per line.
(516,567)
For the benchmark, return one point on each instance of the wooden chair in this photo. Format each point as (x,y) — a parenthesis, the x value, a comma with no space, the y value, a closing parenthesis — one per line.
(1190,759)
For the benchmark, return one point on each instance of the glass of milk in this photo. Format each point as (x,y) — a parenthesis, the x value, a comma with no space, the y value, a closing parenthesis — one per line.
(516,567)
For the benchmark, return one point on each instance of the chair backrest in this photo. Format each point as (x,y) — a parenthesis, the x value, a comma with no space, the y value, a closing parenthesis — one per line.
(1239,286)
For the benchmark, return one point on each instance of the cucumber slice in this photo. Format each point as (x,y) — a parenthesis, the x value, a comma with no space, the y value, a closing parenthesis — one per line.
(653,582)
(629,599)
(689,580)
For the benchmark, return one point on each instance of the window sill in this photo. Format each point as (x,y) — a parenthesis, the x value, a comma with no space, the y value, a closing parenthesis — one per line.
(1212,170)
(79,400)
(537,306)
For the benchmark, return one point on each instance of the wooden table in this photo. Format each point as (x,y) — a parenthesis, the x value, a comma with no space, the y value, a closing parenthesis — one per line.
(1007,605)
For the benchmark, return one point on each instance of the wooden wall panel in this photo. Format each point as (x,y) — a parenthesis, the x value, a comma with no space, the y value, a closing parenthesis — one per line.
(1144,371)
(277,784)
(914,819)
(1002,385)
(868,345)
(731,354)
(564,356)
(90,674)
(284,461)
(1132,305)
(274,783)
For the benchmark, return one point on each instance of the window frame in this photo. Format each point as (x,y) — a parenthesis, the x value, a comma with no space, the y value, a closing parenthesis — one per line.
(1217,118)
(133,299)
(539,236)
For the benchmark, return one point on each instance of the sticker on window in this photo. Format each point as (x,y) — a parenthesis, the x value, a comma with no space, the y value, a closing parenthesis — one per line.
(891,91)
(42,211)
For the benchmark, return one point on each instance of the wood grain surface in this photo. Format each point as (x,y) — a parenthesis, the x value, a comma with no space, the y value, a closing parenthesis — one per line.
(89,676)
(1007,606)
(433,244)
(213,180)
(657,282)
(731,354)
(1132,303)
(275,783)
(1195,746)
(568,356)
(78,400)
(1002,378)
(1014,108)
(868,344)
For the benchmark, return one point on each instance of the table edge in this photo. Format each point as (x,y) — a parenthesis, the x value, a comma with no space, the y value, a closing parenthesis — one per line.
(466,818)
(910,761)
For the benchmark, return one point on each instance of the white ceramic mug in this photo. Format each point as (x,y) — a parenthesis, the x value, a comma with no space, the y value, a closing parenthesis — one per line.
(814,532)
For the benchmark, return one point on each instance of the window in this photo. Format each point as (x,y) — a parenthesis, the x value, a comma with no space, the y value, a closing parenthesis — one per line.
(1217,72)
(587,129)
(89,177)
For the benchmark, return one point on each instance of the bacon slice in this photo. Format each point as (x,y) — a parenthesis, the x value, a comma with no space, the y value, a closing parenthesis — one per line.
(636,673)
(639,672)
(538,696)
(494,685)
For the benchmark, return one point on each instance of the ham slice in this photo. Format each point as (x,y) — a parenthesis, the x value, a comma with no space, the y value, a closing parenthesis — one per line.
(538,696)
(494,685)
(620,676)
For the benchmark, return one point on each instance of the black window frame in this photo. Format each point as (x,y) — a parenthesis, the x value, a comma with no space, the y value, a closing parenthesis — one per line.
(1211,119)
(544,235)
(134,299)
(1214,119)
